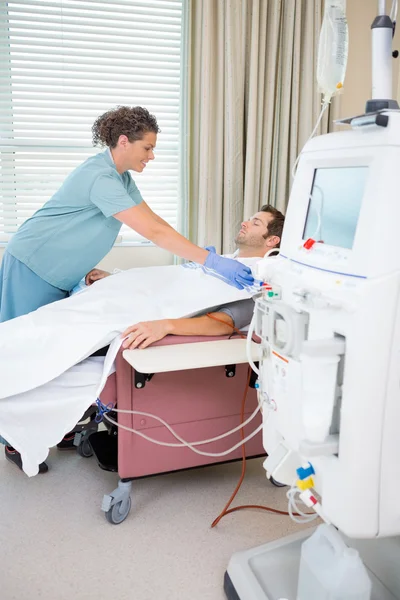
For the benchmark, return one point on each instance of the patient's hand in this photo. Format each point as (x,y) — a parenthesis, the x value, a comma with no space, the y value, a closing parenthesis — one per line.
(95,275)
(143,334)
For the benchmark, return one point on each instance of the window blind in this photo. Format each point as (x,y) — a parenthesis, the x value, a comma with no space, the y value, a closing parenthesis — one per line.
(62,64)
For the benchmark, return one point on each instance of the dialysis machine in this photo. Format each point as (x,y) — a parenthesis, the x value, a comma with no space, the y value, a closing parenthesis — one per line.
(329,375)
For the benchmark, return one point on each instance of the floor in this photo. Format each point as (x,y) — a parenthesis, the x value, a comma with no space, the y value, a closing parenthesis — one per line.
(57,545)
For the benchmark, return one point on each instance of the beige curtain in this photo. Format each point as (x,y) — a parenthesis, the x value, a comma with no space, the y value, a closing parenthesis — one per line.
(252,103)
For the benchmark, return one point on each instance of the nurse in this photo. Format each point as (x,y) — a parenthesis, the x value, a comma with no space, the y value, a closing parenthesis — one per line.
(78,226)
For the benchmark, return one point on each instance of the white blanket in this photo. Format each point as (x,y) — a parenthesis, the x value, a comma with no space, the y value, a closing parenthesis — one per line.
(43,389)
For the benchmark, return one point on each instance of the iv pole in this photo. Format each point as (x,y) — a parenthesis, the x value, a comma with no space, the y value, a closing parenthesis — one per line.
(383,28)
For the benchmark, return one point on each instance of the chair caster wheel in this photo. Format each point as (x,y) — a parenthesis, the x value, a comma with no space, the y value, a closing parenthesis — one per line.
(115,516)
(85,449)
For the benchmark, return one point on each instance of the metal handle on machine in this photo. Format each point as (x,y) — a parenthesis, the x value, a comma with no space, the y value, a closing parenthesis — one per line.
(371,118)
(375,119)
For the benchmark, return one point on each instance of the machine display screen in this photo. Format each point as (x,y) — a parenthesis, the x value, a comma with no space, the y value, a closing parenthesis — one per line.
(334,206)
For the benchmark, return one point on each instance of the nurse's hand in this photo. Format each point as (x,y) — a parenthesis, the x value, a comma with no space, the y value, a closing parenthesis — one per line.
(95,275)
(143,334)
(233,271)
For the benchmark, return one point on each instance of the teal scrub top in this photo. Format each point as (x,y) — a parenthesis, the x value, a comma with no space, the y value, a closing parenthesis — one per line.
(75,229)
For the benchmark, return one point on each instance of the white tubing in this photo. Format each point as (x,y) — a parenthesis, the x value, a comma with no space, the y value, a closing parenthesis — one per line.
(184,443)
(249,341)
(170,429)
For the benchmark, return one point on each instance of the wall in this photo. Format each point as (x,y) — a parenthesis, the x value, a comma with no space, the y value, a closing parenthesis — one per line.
(133,256)
(358,82)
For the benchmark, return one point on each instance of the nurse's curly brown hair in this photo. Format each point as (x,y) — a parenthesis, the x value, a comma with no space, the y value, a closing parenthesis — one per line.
(134,122)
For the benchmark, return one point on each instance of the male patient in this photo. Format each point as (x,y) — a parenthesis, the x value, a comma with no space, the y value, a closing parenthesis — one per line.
(257,236)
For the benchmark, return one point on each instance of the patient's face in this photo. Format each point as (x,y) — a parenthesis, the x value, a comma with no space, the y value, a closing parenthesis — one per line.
(254,231)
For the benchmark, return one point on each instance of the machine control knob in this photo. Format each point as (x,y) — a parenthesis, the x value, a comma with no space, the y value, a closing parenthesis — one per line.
(308,244)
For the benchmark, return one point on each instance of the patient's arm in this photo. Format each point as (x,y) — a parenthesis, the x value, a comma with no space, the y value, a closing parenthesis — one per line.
(143,334)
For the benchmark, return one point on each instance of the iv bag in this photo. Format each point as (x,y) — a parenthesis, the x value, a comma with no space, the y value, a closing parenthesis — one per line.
(332,49)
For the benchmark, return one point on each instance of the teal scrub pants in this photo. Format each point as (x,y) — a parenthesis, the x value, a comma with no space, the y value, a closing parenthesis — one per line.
(22,291)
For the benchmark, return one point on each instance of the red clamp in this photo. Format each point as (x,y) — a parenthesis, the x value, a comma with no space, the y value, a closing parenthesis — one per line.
(308,244)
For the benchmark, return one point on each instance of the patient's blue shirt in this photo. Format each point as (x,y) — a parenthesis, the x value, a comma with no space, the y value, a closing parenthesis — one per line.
(75,229)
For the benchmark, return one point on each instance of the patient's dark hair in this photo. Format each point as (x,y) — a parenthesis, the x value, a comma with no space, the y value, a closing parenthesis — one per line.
(275,227)
(134,122)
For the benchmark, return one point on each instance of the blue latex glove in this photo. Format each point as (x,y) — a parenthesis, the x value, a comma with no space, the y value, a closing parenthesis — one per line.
(210,249)
(233,271)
